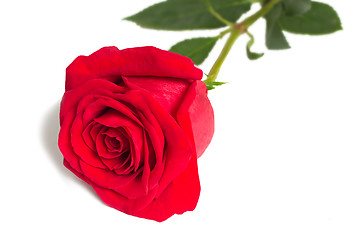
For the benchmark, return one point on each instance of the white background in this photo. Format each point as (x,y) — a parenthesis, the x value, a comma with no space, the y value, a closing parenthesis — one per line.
(284,162)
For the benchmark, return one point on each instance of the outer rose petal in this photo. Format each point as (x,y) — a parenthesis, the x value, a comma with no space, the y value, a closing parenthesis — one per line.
(76,172)
(142,61)
(117,201)
(196,116)
(180,196)
(168,92)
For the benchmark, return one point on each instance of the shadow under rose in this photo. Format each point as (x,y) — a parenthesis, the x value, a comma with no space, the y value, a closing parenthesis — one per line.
(49,136)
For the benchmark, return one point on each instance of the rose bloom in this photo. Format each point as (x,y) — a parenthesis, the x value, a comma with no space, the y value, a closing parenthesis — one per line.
(133,123)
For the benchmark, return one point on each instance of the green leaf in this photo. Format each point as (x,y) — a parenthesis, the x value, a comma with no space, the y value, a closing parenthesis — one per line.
(211,85)
(275,38)
(197,49)
(321,19)
(189,14)
(252,55)
(296,7)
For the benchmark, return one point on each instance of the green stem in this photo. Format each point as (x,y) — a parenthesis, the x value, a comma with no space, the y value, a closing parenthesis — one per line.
(236,30)
(262,12)
(223,33)
(235,33)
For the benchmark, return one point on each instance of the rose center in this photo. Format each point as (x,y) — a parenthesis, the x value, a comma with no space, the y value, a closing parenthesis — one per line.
(112,143)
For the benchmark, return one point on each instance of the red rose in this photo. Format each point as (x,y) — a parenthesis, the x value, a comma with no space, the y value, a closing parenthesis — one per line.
(133,123)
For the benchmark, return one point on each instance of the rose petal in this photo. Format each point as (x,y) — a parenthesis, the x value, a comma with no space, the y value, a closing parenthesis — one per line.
(103,104)
(64,142)
(142,61)
(98,87)
(121,137)
(102,148)
(180,196)
(80,148)
(125,167)
(76,172)
(105,178)
(197,116)
(155,141)
(168,92)
(90,133)
(121,203)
